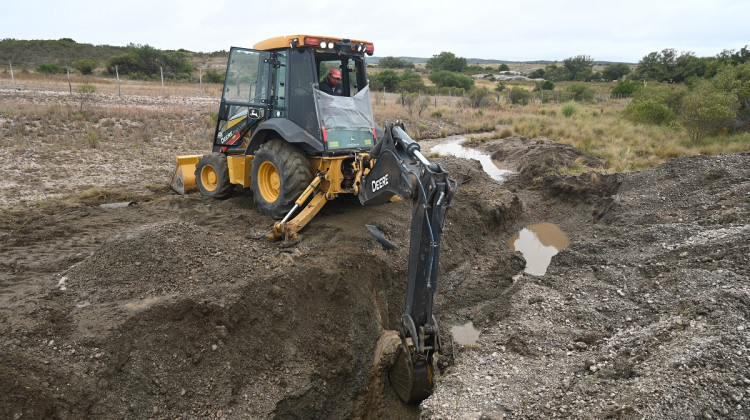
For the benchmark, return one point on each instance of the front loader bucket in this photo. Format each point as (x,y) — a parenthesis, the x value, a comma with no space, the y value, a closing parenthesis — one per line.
(183,179)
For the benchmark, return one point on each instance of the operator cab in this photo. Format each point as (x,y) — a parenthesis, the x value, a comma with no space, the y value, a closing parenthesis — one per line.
(272,90)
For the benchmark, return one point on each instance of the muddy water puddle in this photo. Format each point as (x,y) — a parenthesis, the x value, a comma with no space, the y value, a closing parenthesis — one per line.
(454,147)
(539,243)
(465,335)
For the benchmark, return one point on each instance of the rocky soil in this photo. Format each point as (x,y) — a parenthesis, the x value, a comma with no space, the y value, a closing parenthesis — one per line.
(177,307)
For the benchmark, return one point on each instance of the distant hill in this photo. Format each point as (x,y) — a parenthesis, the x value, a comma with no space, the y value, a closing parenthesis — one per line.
(29,54)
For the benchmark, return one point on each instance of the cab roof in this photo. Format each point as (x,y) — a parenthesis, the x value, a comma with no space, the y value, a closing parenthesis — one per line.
(315,41)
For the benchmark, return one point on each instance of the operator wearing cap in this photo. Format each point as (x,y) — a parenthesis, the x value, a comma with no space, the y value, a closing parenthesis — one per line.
(332,83)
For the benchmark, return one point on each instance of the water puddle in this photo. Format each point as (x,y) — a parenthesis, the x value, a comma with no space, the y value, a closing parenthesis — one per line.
(539,243)
(465,335)
(454,147)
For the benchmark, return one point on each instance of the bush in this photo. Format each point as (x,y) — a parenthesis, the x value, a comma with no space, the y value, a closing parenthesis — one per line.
(391,62)
(85,65)
(479,97)
(445,78)
(545,85)
(519,95)
(386,79)
(411,82)
(668,95)
(650,111)
(582,93)
(625,88)
(706,110)
(569,109)
(213,76)
(50,69)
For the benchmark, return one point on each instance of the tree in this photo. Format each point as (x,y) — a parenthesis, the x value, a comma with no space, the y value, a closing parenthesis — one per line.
(537,74)
(659,66)
(411,82)
(736,80)
(686,66)
(148,61)
(446,61)
(625,88)
(555,72)
(615,71)
(545,85)
(519,95)
(387,79)
(734,57)
(84,65)
(579,67)
(86,93)
(707,109)
(445,78)
(479,96)
(391,62)
(50,69)
(582,93)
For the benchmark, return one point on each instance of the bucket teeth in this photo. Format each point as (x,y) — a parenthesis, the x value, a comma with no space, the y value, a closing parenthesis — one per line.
(178,182)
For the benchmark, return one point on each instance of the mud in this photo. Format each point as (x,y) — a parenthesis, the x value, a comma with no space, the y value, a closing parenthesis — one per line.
(178,307)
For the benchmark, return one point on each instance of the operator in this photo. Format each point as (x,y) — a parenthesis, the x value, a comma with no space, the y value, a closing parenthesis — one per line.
(332,83)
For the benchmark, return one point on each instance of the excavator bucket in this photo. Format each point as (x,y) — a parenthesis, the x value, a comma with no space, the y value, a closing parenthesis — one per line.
(183,179)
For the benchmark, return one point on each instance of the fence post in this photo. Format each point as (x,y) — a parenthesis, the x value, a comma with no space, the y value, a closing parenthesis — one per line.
(161,71)
(12,79)
(200,79)
(70,86)
(117,74)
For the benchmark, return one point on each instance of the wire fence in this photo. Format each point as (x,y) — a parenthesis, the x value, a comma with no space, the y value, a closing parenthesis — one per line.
(10,79)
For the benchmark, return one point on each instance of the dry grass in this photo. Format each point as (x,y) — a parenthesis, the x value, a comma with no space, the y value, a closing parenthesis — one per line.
(144,118)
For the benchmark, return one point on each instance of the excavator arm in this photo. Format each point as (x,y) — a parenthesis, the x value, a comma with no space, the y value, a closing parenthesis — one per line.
(400,169)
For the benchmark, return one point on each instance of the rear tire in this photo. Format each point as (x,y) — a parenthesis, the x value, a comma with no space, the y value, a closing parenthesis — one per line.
(280,174)
(212,175)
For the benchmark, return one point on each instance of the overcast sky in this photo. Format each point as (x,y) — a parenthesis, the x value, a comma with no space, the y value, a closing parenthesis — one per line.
(504,30)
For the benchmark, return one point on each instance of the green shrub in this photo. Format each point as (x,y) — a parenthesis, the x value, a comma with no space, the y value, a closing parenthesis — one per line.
(650,112)
(445,78)
(213,76)
(386,79)
(411,82)
(479,96)
(707,110)
(625,88)
(582,93)
(519,95)
(545,85)
(569,109)
(50,69)
(84,65)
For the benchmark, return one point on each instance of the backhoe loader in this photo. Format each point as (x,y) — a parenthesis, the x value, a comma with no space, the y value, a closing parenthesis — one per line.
(298,147)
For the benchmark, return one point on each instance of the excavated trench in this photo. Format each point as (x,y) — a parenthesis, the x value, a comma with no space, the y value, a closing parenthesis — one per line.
(181,308)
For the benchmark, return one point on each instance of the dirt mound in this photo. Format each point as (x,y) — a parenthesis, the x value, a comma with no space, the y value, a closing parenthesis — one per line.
(642,316)
(533,158)
(178,307)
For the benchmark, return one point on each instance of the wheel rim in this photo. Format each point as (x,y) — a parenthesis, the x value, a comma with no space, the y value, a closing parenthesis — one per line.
(269,182)
(209,178)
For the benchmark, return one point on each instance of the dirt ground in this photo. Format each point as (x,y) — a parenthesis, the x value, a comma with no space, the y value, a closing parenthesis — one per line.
(177,307)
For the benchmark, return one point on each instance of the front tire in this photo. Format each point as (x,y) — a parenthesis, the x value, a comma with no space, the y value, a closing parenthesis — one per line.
(279,175)
(212,175)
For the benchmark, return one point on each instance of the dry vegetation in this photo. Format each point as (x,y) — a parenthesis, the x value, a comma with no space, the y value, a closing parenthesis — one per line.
(111,119)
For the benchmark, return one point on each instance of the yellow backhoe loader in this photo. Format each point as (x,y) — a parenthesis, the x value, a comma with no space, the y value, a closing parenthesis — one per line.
(298,147)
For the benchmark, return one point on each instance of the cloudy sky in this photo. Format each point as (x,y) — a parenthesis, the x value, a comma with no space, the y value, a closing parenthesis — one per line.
(491,29)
